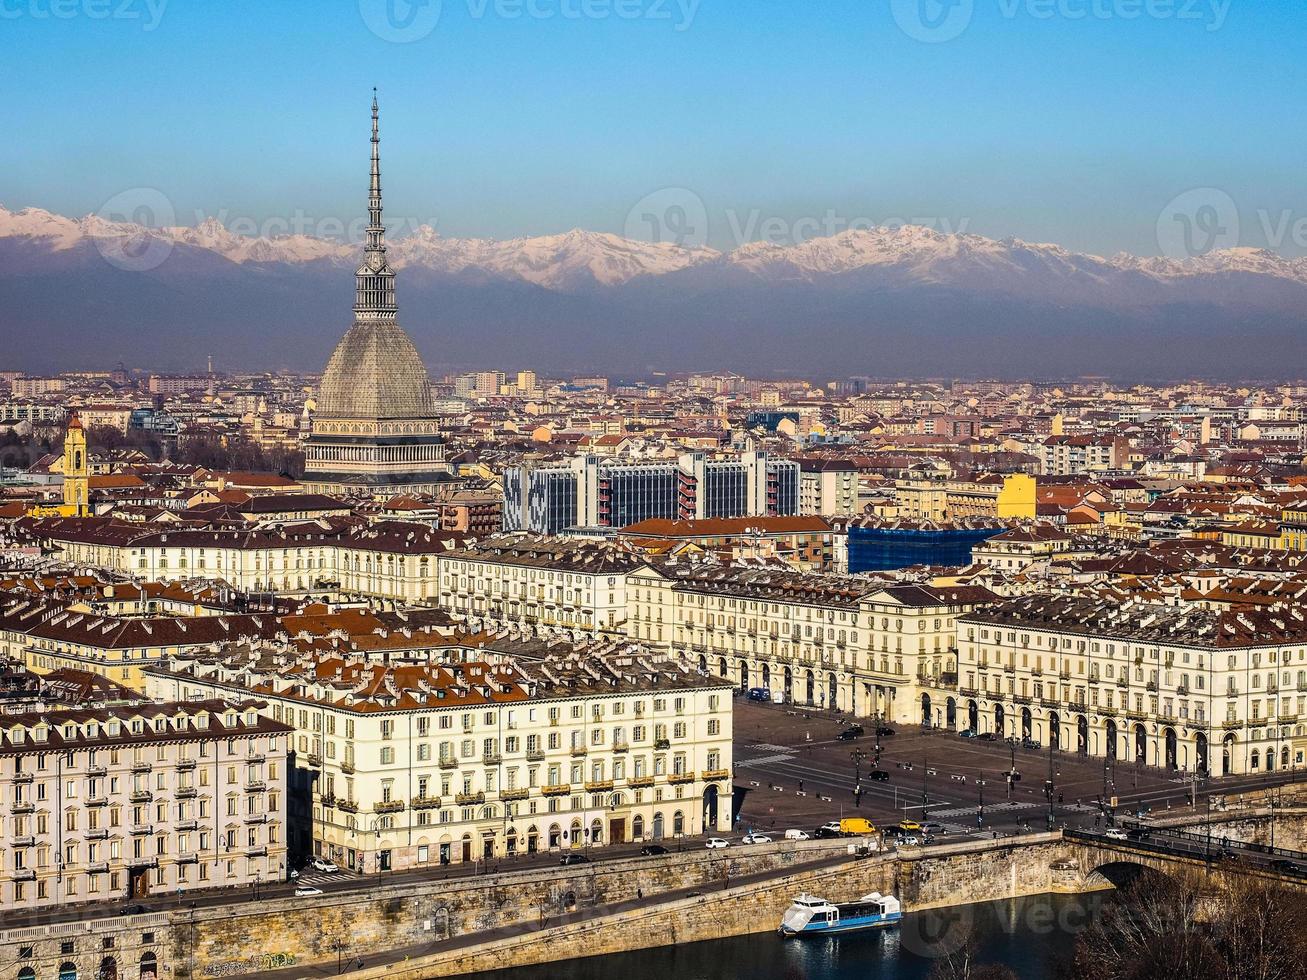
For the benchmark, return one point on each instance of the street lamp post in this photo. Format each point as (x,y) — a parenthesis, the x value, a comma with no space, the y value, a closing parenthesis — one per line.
(858,755)
(1048,783)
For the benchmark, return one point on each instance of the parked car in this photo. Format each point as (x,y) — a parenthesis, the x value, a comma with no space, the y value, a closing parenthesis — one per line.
(930,827)
(323,865)
(716,842)
(909,840)
(570,859)
(759,694)
(878,776)
(797,835)
(1287,867)
(1030,743)
(825,833)
(909,826)
(133,910)
(967,733)
(1115,833)
(987,737)
(306,891)
(885,732)
(852,732)
(755,839)
(652,850)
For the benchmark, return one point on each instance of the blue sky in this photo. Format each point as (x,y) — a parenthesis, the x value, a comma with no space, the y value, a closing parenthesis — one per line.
(1071,121)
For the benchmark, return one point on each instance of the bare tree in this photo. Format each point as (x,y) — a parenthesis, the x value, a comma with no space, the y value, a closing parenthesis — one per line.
(1187,927)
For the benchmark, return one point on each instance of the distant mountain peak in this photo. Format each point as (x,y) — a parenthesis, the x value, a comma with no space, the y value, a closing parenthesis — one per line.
(578,259)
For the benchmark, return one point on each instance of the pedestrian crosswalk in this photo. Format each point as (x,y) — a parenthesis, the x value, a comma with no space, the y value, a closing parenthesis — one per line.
(319,878)
(1003,807)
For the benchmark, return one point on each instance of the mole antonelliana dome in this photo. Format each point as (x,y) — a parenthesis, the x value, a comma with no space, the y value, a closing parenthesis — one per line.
(375,371)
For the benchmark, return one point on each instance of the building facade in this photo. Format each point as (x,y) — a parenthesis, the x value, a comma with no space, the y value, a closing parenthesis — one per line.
(506,747)
(1173,686)
(104,804)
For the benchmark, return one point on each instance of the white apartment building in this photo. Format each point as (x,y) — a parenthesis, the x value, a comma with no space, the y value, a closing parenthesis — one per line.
(511,746)
(389,559)
(1175,686)
(828,487)
(538,581)
(122,802)
(853,643)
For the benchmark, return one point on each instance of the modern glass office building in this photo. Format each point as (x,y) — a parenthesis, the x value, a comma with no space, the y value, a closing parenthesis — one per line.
(591,491)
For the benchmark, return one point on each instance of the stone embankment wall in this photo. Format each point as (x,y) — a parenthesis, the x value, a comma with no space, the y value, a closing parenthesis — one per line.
(246,938)
(939,877)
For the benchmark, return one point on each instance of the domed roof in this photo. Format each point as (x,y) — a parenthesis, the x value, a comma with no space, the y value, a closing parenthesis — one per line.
(375,372)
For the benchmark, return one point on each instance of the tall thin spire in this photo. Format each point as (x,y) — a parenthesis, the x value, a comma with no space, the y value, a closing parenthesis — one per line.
(375,282)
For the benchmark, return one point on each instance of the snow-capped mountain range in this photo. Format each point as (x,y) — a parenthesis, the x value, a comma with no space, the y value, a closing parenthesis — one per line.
(908,301)
(583,258)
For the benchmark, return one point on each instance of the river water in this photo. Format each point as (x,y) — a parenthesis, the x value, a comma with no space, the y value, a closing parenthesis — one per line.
(1031,936)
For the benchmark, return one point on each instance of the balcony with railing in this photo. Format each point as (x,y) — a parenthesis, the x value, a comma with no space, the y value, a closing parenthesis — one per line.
(425,803)
(598,785)
(186,765)
(140,796)
(448,762)
(347,806)
(97,770)
(535,755)
(662,744)
(710,775)
(491,758)
(508,795)
(388,806)
(141,766)
(556,789)
(27,840)
(186,792)
(639,782)
(22,777)
(680,777)
(470,799)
